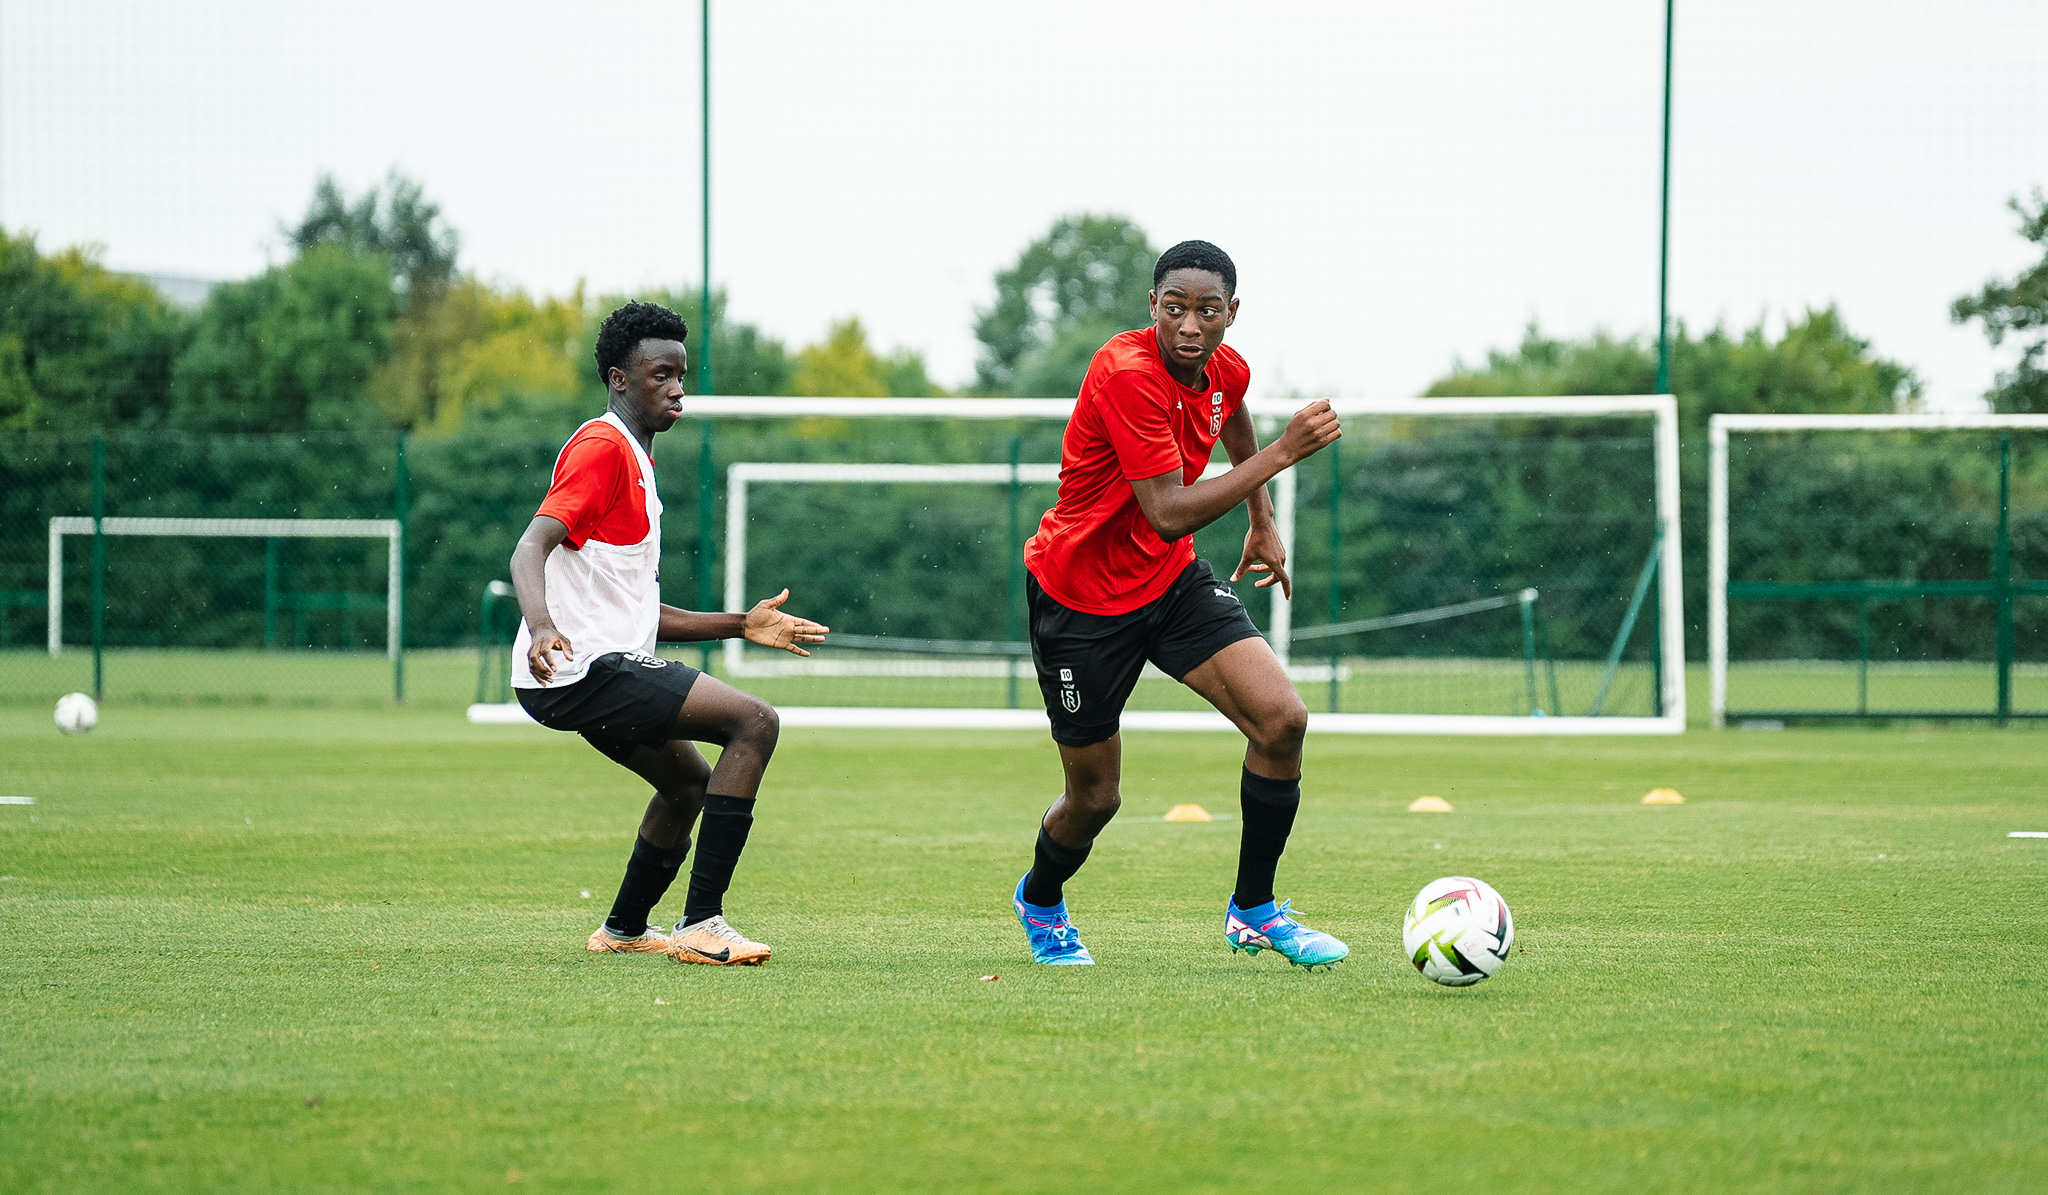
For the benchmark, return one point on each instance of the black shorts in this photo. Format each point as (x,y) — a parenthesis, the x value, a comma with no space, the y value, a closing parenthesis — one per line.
(1089,663)
(625,701)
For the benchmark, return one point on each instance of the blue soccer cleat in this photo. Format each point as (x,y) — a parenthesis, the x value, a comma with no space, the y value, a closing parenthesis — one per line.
(1271,926)
(1054,940)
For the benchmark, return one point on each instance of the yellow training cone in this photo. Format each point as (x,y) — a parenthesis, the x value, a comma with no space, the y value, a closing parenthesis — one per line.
(1187,813)
(1663,796)
(1429,805)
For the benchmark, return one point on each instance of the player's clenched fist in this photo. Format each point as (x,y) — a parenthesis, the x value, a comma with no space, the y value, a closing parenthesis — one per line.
(540,654)
(1312,429)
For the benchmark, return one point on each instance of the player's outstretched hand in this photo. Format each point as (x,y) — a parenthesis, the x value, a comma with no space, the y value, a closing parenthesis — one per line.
(1313,428)
(540,654)
(768,626)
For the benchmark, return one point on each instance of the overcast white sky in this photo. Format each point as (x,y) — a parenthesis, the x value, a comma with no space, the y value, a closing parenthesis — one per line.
(1399,183)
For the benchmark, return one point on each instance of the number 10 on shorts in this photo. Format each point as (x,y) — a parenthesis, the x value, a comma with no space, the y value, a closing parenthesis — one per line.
(1070,697)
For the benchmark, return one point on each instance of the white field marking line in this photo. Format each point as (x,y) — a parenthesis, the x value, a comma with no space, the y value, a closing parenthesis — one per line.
(17,800)
(2028,834)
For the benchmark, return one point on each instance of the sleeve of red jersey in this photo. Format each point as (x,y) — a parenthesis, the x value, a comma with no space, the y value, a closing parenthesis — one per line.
(586,484)
(1137,415)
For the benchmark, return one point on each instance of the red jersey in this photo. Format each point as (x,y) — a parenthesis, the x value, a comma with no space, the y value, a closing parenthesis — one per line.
(597,491)
(1095,551)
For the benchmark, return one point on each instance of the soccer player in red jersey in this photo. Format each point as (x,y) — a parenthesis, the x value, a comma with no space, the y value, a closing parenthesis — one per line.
(1114,583)
(587,575)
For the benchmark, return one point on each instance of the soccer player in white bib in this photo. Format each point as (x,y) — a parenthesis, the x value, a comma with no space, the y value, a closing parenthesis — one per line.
(587,575)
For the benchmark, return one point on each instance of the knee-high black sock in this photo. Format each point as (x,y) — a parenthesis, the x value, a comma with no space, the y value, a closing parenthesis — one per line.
(648,874)
(1052,865)
(721,836)
(1269,807)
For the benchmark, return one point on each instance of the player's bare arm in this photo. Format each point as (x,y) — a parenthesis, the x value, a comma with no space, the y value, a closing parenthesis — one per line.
(1264,552)
(766,624)
(1176,510)
(530,583)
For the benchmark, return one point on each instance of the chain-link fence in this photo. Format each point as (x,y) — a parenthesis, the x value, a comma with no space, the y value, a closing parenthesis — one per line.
(1440,566)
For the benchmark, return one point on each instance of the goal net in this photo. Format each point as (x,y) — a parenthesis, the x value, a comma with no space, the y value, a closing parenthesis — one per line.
(1498,566)
(1878,566)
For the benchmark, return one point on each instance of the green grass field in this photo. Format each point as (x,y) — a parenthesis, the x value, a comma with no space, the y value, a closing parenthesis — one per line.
(342,950)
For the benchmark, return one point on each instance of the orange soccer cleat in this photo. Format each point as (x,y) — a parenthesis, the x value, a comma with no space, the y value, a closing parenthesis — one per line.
(603,941)
(713,941)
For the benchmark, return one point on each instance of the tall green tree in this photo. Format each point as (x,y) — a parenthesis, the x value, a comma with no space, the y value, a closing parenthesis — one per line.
(1072,289)
(292,349)
(2018,308)
(81,346)
(398,223)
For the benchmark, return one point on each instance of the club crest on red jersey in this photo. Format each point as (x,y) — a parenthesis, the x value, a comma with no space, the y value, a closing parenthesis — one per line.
(1216,413)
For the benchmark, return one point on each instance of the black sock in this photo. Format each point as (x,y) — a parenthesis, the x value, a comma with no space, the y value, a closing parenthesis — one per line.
(1052,865)
(1269,807)
(648,874)
(721,836)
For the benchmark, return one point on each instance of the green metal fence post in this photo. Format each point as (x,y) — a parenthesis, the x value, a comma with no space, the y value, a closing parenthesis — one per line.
(2001,577)
(270,594)
(1529,648)
(99,567)
(707,493)
(401,502)
(1550,667)
(1664,223)
(1336,566)
(1656,653)
(1016,569)
(1863,655)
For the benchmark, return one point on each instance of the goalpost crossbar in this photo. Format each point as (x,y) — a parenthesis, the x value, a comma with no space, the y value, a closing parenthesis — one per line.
(390,530)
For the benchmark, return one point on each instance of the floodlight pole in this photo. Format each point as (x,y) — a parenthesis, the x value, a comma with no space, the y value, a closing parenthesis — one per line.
(706,482)
(704,208)
(1664,226)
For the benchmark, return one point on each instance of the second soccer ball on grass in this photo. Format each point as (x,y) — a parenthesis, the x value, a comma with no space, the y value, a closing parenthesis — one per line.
(1458,931)
(77,713)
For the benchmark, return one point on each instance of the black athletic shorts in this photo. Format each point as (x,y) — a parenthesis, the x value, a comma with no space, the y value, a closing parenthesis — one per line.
(624,701)
(1089,663)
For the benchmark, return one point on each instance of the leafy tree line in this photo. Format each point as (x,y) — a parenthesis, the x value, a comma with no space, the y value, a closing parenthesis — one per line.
(369,325)
(281,396)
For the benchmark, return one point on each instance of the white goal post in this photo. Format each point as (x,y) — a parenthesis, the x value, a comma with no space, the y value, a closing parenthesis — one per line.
(385,529)
(1661,408)
(1718,429)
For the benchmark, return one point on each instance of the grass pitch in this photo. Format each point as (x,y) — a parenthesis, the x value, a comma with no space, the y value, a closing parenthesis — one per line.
(342,950)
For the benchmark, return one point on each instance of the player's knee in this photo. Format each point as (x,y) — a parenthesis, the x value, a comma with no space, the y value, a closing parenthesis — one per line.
(1280,731)
(1096,800)
(760,725)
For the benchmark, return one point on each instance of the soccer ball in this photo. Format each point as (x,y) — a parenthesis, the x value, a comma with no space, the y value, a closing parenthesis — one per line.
(1458,931)
(76,713)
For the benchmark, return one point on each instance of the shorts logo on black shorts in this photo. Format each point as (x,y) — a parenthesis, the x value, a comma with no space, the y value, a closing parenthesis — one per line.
(1222,592)
(1070,697)
(644,660)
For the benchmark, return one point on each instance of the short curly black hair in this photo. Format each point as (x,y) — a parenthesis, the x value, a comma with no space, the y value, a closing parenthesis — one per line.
(1197,255)
(624,329)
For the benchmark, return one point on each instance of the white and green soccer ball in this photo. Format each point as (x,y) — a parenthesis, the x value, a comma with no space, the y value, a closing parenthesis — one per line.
(1458,931)
(76,713)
